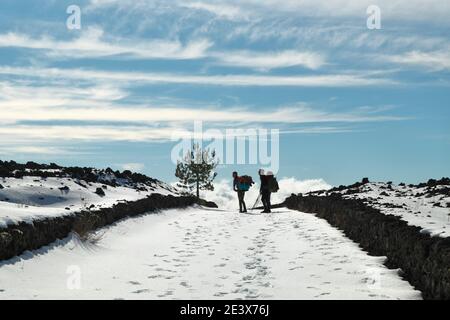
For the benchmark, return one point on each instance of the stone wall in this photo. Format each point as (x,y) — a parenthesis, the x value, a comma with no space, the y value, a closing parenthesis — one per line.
(425,260)
(15,239)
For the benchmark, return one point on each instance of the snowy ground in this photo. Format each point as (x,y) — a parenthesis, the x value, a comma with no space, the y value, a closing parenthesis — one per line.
(200,253)
(425,207)
(32,198)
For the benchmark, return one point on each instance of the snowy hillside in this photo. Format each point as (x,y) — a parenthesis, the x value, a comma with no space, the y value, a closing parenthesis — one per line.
(426,205)
(25,198)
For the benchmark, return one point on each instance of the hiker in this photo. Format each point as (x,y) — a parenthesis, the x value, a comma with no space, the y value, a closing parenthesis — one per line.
(264,190)
(269,184)
(241,193)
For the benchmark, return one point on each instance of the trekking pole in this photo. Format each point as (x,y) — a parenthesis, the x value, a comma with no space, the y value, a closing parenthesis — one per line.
(257,200)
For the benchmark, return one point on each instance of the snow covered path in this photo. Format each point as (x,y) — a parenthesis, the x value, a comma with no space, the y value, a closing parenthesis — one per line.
(206,254)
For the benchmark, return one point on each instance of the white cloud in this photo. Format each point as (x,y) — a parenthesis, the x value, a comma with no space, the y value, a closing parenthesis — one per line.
(434,61)
(271,60)
(164,133)
(133,167)
(91,44)
(221,10)
(335,24)
(331,80)
(102,104)
(411,10)
(53,133)
(88,113)
(41,150)
(224,196)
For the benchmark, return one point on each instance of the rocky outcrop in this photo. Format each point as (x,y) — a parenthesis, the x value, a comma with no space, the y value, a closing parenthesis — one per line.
(208,204)
(424,260)
(100,192)
(15,239)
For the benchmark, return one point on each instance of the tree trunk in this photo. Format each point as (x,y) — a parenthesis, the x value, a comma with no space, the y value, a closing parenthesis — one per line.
(198,187)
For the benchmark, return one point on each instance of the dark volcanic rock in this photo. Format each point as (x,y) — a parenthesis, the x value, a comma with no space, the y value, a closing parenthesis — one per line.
(208,204)
(100,192)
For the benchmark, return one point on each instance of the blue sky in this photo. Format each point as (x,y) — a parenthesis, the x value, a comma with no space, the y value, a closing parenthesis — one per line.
(349,102)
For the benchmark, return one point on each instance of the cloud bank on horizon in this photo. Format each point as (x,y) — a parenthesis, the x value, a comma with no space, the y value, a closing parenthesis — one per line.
(138,73)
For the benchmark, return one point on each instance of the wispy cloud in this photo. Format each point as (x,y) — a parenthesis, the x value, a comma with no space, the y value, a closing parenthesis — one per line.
(399,9)
(151,114)
(88,119)
(271,60)
(75,110)
(64,133)
(91,44)
(434,61)
(61,103)
(221,10)
(331,80)
(42,150)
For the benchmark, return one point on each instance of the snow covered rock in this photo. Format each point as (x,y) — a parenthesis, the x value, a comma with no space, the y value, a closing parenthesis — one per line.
(424,205)
(45,191)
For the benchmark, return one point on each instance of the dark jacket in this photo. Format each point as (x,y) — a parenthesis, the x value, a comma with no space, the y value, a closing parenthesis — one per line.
(236,184)
(264,182)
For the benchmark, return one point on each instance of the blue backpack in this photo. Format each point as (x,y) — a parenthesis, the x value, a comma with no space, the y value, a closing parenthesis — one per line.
(245,182)
(243,186)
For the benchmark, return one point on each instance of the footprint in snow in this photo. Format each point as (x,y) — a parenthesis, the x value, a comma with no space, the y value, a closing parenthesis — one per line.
(168,293)
(221,265)
(322,294)
(265,284)
(295,268)
(141,291)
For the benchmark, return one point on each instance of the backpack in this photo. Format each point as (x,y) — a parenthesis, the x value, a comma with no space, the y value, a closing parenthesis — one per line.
(244,183)
(273,184)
